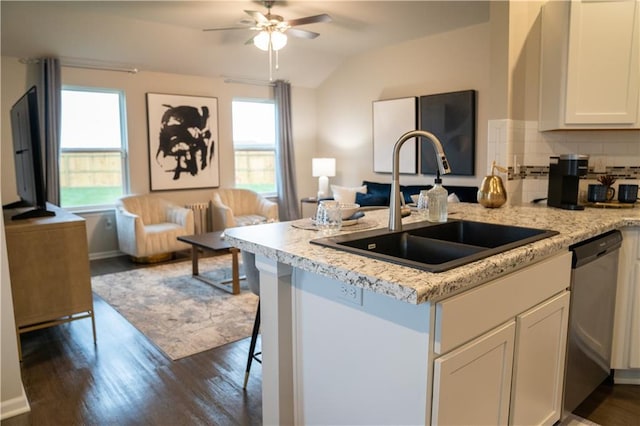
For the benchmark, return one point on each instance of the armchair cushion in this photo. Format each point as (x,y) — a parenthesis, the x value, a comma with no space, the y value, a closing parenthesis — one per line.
(232,207)
(148,225)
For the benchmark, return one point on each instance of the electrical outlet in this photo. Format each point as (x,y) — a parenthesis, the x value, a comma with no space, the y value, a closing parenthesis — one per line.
(350,294)
(108,223)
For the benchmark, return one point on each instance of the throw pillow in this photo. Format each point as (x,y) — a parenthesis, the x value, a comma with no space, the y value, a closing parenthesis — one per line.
(368,200)
(345,194)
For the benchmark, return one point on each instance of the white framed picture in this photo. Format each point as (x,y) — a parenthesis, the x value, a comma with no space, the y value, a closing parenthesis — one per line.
(392,118)
(183,142)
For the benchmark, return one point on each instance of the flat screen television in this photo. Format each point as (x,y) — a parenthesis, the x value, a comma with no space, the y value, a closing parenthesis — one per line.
(27,153)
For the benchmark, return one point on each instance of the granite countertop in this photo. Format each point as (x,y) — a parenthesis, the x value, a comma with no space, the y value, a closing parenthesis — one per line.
(290,245)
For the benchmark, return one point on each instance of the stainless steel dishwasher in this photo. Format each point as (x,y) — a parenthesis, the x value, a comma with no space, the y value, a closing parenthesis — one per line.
(591,310)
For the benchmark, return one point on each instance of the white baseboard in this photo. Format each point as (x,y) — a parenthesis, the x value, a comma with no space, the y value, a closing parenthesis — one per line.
(105,254)
(627,377)
(14,406)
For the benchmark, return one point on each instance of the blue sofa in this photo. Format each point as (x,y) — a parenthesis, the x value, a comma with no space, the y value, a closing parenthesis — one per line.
(378,194)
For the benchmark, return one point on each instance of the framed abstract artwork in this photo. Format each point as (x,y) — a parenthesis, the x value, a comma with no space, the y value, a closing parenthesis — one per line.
(183,142)
(392,118)
(452,118)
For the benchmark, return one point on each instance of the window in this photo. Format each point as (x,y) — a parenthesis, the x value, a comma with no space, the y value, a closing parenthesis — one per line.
(93,148)
(254,144)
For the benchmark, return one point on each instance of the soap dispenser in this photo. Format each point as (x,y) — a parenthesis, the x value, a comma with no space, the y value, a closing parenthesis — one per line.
(437,197)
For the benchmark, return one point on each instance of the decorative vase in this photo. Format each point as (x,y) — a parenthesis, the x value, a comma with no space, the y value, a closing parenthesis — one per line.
(492,193)
(608,181)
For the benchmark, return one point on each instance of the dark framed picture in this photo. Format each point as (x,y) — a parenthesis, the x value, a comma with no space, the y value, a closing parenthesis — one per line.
(392,118)
(183,142)
(452,118)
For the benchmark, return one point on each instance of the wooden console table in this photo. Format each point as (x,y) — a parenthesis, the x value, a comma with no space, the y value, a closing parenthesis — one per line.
(49,270)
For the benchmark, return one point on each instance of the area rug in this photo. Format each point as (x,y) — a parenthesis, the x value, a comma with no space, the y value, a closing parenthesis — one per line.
(178,313)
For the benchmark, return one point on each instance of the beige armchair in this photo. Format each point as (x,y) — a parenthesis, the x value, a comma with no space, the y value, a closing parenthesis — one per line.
(240,207)
(148,227)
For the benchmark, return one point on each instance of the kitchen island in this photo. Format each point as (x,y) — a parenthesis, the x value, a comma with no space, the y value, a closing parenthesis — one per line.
(349,339)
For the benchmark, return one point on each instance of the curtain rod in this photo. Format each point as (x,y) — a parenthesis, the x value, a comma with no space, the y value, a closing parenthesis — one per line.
(249,81)
(86,64)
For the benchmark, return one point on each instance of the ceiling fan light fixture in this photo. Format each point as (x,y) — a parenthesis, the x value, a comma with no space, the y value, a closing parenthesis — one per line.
(261,40)
(278,40)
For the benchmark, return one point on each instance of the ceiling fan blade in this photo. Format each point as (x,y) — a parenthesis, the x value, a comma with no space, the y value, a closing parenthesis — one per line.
(258,16)
(250,41)
(227,28)
(296,32)
(310,20)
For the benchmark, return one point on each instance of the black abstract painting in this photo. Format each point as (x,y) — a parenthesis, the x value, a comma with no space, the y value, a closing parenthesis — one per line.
(183,148)
(452,118)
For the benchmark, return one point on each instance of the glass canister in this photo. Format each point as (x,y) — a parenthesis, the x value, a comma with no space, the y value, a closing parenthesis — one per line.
(329,217)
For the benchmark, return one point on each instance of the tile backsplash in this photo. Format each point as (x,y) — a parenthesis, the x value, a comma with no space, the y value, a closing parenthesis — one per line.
(526,152)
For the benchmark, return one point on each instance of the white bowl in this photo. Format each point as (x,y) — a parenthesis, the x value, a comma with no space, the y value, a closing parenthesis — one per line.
(348,209)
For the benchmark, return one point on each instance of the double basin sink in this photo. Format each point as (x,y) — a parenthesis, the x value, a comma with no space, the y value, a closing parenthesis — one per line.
(436,247)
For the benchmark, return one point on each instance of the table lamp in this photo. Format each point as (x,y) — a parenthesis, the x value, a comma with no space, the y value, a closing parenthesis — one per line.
(322,168)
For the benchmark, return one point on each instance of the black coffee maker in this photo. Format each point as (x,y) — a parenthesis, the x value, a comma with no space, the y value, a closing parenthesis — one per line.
(565,172)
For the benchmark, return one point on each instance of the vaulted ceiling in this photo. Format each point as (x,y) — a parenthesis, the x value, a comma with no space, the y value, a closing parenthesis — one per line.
(167,36)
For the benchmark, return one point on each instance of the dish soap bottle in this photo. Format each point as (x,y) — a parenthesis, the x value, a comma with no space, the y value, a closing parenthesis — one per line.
(437,197)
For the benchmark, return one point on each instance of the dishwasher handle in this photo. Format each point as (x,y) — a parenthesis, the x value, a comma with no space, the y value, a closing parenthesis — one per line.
(593,248)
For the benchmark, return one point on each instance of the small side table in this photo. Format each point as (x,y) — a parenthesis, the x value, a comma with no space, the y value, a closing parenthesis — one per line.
(307,200)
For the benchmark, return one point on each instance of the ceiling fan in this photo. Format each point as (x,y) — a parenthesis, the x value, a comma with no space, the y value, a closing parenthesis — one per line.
(272,30)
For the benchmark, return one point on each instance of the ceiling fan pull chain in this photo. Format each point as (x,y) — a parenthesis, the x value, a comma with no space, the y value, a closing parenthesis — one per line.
(270,60)
(277,59)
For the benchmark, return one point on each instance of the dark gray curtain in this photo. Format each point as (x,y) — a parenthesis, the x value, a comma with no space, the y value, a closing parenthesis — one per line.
(285,160)
(49,95)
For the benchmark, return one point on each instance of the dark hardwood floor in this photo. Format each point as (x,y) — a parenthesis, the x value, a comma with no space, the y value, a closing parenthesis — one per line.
(612,405)
(126,380)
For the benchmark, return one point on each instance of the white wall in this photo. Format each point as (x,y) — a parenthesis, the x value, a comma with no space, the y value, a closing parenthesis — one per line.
(15,80)
(447,62)
(135,87)
(13,400)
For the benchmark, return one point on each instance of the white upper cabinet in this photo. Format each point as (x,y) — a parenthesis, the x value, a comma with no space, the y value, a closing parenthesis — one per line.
(590,65)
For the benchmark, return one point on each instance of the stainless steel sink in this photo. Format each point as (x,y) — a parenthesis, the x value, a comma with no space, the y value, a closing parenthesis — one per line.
(436,247)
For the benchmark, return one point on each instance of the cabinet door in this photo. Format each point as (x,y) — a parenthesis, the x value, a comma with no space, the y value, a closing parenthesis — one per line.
(472,384)
(603,69)
(541,339)
(626,329)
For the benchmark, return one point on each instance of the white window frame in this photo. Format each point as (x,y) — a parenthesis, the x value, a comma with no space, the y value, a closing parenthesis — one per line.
(259,147)
(123,150)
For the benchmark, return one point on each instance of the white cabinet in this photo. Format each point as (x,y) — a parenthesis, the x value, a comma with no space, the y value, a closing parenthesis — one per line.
(541,336)
(472,384)
(626,332)
(590,65)
(473,374)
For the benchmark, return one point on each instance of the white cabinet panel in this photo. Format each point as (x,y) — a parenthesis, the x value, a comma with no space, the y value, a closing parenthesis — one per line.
(465,316)
(590,65)
(626,330)
(541,336)
(472,383)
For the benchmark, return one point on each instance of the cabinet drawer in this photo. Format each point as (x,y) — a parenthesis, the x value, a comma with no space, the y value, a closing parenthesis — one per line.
(472,313)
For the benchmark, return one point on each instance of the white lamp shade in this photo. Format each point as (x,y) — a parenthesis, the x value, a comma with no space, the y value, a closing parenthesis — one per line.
(278,40)
(323,167)
(262,40)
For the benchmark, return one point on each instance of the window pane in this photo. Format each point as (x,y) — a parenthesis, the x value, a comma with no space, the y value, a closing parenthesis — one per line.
(90,119)
(254,123)
(92,171)
(254,136)
(90,178)
(256,170)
